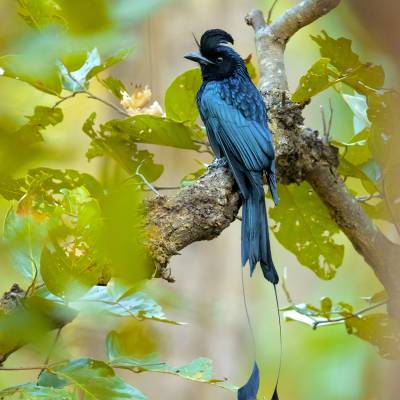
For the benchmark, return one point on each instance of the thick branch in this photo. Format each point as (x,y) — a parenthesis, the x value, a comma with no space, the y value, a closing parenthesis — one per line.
(271,39)
(199,212)
(301,154)
(299,16)
(378,251)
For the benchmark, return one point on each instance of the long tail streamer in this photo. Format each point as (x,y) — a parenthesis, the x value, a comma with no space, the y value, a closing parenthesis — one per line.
(250,389)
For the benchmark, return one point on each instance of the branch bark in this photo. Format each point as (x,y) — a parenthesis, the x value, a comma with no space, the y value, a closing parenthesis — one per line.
(304,156)
(199,212)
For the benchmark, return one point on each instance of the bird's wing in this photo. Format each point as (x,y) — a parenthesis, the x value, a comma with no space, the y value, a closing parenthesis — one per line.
(210,133)
(246,140)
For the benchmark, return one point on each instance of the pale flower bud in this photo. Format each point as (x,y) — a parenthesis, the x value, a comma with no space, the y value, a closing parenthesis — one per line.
(139,102)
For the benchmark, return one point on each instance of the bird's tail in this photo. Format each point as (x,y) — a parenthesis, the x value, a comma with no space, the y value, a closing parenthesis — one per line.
(272,183)
(255,238)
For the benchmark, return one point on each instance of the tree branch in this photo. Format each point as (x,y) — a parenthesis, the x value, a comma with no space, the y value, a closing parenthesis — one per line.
(302,154)
(300,15)
(271,39)
(199,212)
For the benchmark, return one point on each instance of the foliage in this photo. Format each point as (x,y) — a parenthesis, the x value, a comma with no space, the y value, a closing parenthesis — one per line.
(79,241)
(379,329)
(303,225)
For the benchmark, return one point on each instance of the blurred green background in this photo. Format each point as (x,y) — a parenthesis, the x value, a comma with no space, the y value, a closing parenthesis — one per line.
(322,364)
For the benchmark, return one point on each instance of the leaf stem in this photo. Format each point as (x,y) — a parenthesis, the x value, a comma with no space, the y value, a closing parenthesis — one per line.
(357,314)
(46,362)
(145,181)
(90,95)
(113,106)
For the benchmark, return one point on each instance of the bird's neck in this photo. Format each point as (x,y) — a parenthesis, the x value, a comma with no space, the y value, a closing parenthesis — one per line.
(240,73)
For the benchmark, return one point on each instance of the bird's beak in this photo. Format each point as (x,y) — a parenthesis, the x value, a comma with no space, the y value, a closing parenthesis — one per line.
(197,57)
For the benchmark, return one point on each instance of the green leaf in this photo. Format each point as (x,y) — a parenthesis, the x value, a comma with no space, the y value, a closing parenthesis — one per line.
(357,150)
(199,370)
(118,300)
(347,169)
(77,80)
(311,315)
(123,149)
(358,105)
(378,297)
(378,211)
(38,13)
(50,182)
(361,77)
(58,202)
(190,178)
(384,116)
(115,86)
(41,119)
(25,237)
(74,261)
(303,226)
(12,189)
(251,69)
(39,314)
(313,82)
(54,314)
(380,330)
(41,74)
(97,380)
(45,186)
(49,379)
(372,170)
(338,51)
(85,19)
(115,58)
(31,391)
(125,239)
(326,306)
(180,97)
(153,130)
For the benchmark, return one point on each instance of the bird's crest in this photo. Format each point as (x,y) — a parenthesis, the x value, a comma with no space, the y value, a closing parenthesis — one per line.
(212,39)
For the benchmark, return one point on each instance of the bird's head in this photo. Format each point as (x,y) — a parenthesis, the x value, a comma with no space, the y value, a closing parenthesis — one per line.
(216,58)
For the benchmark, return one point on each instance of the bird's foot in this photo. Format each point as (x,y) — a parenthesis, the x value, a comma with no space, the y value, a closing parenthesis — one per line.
(218,163)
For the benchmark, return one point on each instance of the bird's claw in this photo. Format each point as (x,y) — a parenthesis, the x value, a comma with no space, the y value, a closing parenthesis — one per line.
(218,163)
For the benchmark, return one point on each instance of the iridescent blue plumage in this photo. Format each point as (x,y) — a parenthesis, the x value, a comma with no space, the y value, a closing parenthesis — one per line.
(235,118)
(234,114)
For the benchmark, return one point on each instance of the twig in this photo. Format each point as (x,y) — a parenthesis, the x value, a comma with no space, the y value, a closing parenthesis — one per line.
(33,368)
(31,287)
(41,367)
(119,110)
(269,16)
(206,144)
(66,98)
(363,199)
(346,317)
(202,142)
(285,289)
(145,181)
(90,95)
(167,187)
(46,361)
(330,118)
(323,122)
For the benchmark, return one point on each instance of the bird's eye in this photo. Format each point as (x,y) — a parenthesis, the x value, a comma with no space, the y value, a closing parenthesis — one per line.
(220,60)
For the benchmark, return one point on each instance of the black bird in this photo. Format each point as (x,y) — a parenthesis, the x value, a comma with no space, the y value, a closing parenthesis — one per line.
(235,118)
